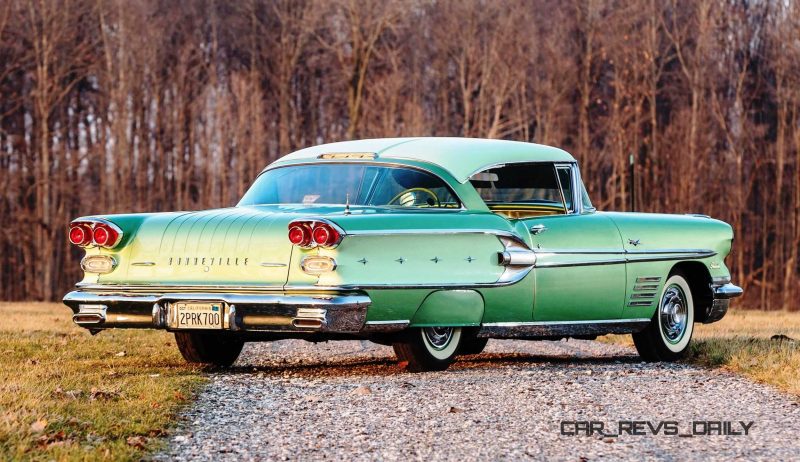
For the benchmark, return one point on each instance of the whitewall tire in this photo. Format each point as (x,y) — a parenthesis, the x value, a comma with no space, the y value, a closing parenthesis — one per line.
(428,348)
(669,333)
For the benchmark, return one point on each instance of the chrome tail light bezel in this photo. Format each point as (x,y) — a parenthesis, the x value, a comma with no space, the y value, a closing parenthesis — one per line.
(86,234)
(310,225)
(91,224)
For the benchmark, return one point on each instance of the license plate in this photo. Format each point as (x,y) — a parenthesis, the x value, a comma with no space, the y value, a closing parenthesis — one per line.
(192,315)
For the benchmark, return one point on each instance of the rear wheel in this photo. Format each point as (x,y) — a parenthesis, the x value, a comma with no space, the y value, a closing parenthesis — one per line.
(209,347)
(471,344)
(667,336)
(428,348)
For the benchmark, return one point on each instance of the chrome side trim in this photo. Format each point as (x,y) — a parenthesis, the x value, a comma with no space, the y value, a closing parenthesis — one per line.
(143,263)
(158,288)
(640,303)
(697,255)
(386,326)
(624,251)
(394,232)
(549,329)
(510,276)
(127,289)
(615,261)
(624,256)
(267,264)
(560,323)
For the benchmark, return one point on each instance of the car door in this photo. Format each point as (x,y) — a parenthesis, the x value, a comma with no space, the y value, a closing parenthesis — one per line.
(580,264)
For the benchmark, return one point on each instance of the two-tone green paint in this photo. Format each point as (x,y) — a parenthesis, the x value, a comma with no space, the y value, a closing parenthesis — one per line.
(429,267)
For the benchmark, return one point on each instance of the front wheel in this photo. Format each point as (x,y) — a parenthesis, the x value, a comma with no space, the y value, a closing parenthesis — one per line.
(667,336)
(210,348)
(428,348)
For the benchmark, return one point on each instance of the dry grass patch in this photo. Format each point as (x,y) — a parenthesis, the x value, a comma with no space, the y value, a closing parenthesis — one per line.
(763,345)
(67,395)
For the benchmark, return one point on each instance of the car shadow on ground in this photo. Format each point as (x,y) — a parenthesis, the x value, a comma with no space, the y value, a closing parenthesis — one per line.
(388,366)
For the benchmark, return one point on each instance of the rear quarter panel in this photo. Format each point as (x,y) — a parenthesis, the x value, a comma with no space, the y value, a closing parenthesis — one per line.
(404,258)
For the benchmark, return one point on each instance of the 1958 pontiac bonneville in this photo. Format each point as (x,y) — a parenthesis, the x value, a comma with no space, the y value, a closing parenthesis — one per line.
(432,245)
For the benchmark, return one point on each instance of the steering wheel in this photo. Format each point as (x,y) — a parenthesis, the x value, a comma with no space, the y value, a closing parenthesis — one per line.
(402,195)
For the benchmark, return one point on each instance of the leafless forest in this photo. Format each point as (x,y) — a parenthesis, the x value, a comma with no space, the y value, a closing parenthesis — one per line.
(151,105)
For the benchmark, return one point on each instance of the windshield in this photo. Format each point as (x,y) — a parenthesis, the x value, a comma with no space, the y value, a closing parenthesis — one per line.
(361,184)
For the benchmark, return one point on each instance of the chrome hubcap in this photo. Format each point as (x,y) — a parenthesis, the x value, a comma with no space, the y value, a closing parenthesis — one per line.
(673,314)
(438,337)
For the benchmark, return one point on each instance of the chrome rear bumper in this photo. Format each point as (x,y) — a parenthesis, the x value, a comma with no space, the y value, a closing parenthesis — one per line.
(277,312)
(723,291)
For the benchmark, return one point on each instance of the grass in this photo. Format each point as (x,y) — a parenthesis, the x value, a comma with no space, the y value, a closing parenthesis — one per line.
(68,395)
(745,342)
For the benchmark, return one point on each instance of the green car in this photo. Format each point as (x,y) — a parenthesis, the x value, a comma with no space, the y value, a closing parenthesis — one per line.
(431,245)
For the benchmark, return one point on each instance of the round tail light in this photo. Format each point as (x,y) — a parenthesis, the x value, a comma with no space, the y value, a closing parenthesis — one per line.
(104,235)
(324,235)
(299,235)
(312,233)
(80,234)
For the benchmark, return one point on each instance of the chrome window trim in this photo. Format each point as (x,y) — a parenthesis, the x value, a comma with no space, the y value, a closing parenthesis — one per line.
(580,186)
(503,164)
(573,165)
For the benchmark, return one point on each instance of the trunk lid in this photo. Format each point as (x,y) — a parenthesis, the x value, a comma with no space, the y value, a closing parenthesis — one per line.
(233,246)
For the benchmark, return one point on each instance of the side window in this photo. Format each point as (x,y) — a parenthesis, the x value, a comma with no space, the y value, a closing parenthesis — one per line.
(565,178)
(587,203)
(525,190)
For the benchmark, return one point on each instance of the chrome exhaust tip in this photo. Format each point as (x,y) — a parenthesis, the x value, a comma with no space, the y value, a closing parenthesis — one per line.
(90,315)
(309,318)
(306,323)
(88,318)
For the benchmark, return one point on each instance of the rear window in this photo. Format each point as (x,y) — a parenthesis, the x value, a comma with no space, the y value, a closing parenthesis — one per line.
(360,184)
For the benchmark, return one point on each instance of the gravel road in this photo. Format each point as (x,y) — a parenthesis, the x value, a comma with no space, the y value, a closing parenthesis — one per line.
(348,400)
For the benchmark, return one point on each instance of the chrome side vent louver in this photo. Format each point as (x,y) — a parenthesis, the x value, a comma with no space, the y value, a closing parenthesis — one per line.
(645,291)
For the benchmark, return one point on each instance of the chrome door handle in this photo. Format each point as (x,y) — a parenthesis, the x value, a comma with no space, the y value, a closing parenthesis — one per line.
(538,229)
